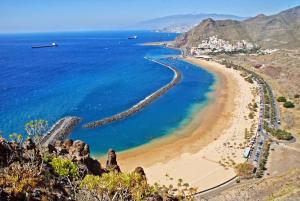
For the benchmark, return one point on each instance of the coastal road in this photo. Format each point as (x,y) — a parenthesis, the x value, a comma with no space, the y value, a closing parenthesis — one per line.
(262,135)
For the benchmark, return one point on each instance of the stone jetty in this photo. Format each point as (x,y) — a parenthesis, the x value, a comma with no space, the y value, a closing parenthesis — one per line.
(60,130)
(143,103)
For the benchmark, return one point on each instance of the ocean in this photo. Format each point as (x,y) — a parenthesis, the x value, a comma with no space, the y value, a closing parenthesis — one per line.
(94,75)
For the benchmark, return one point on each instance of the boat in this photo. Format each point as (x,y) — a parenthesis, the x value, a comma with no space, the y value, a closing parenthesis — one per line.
(132,37)
(45,46)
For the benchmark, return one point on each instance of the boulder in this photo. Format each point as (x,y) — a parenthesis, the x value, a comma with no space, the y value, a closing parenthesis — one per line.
(93,166)
(68,143)
(6,153)
(141,172)
(29,144)
(51,148)
(58,143)
(111,163)
(76,148)
(154,197)
(86,150)
(80,151)
(171,198)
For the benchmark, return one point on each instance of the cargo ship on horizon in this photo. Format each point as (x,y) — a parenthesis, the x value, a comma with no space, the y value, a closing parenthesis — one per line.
(45,46)
(132,37)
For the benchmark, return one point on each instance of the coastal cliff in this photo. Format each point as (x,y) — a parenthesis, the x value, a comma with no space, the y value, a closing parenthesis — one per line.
(65,171)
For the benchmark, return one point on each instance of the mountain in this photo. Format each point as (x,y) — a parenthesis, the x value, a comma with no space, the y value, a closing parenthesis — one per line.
(281,30)
(180,23)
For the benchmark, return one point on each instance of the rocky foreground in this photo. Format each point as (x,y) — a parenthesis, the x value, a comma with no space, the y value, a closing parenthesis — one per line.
(65,171)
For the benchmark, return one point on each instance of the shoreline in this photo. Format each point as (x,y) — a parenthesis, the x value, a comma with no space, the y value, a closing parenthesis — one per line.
(166,147)
(198,146)
(127,157)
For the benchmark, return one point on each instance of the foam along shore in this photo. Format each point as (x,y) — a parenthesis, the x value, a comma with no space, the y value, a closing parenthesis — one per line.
(143,103)
(199,152)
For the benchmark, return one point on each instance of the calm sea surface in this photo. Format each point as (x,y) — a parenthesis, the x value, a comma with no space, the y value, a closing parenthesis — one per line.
(94,75)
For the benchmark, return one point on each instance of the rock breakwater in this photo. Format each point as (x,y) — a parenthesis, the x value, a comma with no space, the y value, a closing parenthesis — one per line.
(143,103)
(60,130)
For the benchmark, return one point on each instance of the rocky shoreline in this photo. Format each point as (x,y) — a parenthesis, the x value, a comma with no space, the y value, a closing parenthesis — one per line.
(61,171)
(143,103)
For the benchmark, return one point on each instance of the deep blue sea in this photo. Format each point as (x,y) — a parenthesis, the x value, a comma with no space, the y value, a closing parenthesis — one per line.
(94,75)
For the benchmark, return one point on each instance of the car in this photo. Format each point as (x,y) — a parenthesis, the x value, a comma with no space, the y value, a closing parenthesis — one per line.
(259,128)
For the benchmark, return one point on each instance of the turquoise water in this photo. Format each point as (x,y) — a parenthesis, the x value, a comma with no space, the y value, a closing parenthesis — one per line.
(94,75)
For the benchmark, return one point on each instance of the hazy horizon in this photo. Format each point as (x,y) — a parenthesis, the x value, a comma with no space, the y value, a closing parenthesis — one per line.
(17,16)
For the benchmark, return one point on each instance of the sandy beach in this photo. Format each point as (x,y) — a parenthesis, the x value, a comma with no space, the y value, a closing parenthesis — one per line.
(204,152)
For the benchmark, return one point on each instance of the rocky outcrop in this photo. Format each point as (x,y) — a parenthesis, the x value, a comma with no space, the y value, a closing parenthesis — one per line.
(155,197)
(111,163)
(27,172)
(79,152)
(141,172)
(6,153)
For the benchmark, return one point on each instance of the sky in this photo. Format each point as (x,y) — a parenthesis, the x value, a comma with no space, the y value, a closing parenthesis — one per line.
(81,15)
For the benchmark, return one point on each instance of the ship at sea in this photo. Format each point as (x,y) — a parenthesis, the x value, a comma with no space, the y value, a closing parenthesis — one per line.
(45,46)
(132,37)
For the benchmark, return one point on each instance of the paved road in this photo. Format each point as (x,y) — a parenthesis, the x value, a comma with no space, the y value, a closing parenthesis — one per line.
(262,135)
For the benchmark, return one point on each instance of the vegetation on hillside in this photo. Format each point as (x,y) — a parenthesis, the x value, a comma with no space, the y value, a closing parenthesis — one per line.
(281,99)
(288,104)
(36,129)
(65,171)
(280,134)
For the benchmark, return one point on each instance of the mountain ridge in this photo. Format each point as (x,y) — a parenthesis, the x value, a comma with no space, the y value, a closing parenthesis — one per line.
(280,30)
(180,22)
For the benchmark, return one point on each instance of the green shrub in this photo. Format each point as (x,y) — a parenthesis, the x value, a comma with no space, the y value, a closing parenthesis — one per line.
(20,178)
(15,137)
(281,99)
(289,104)
(251,115)
(36,129)
(132,186)
(118,185)
(280,134)
(64,167)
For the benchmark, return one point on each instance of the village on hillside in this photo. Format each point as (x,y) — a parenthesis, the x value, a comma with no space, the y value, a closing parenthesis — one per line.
(214,45)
